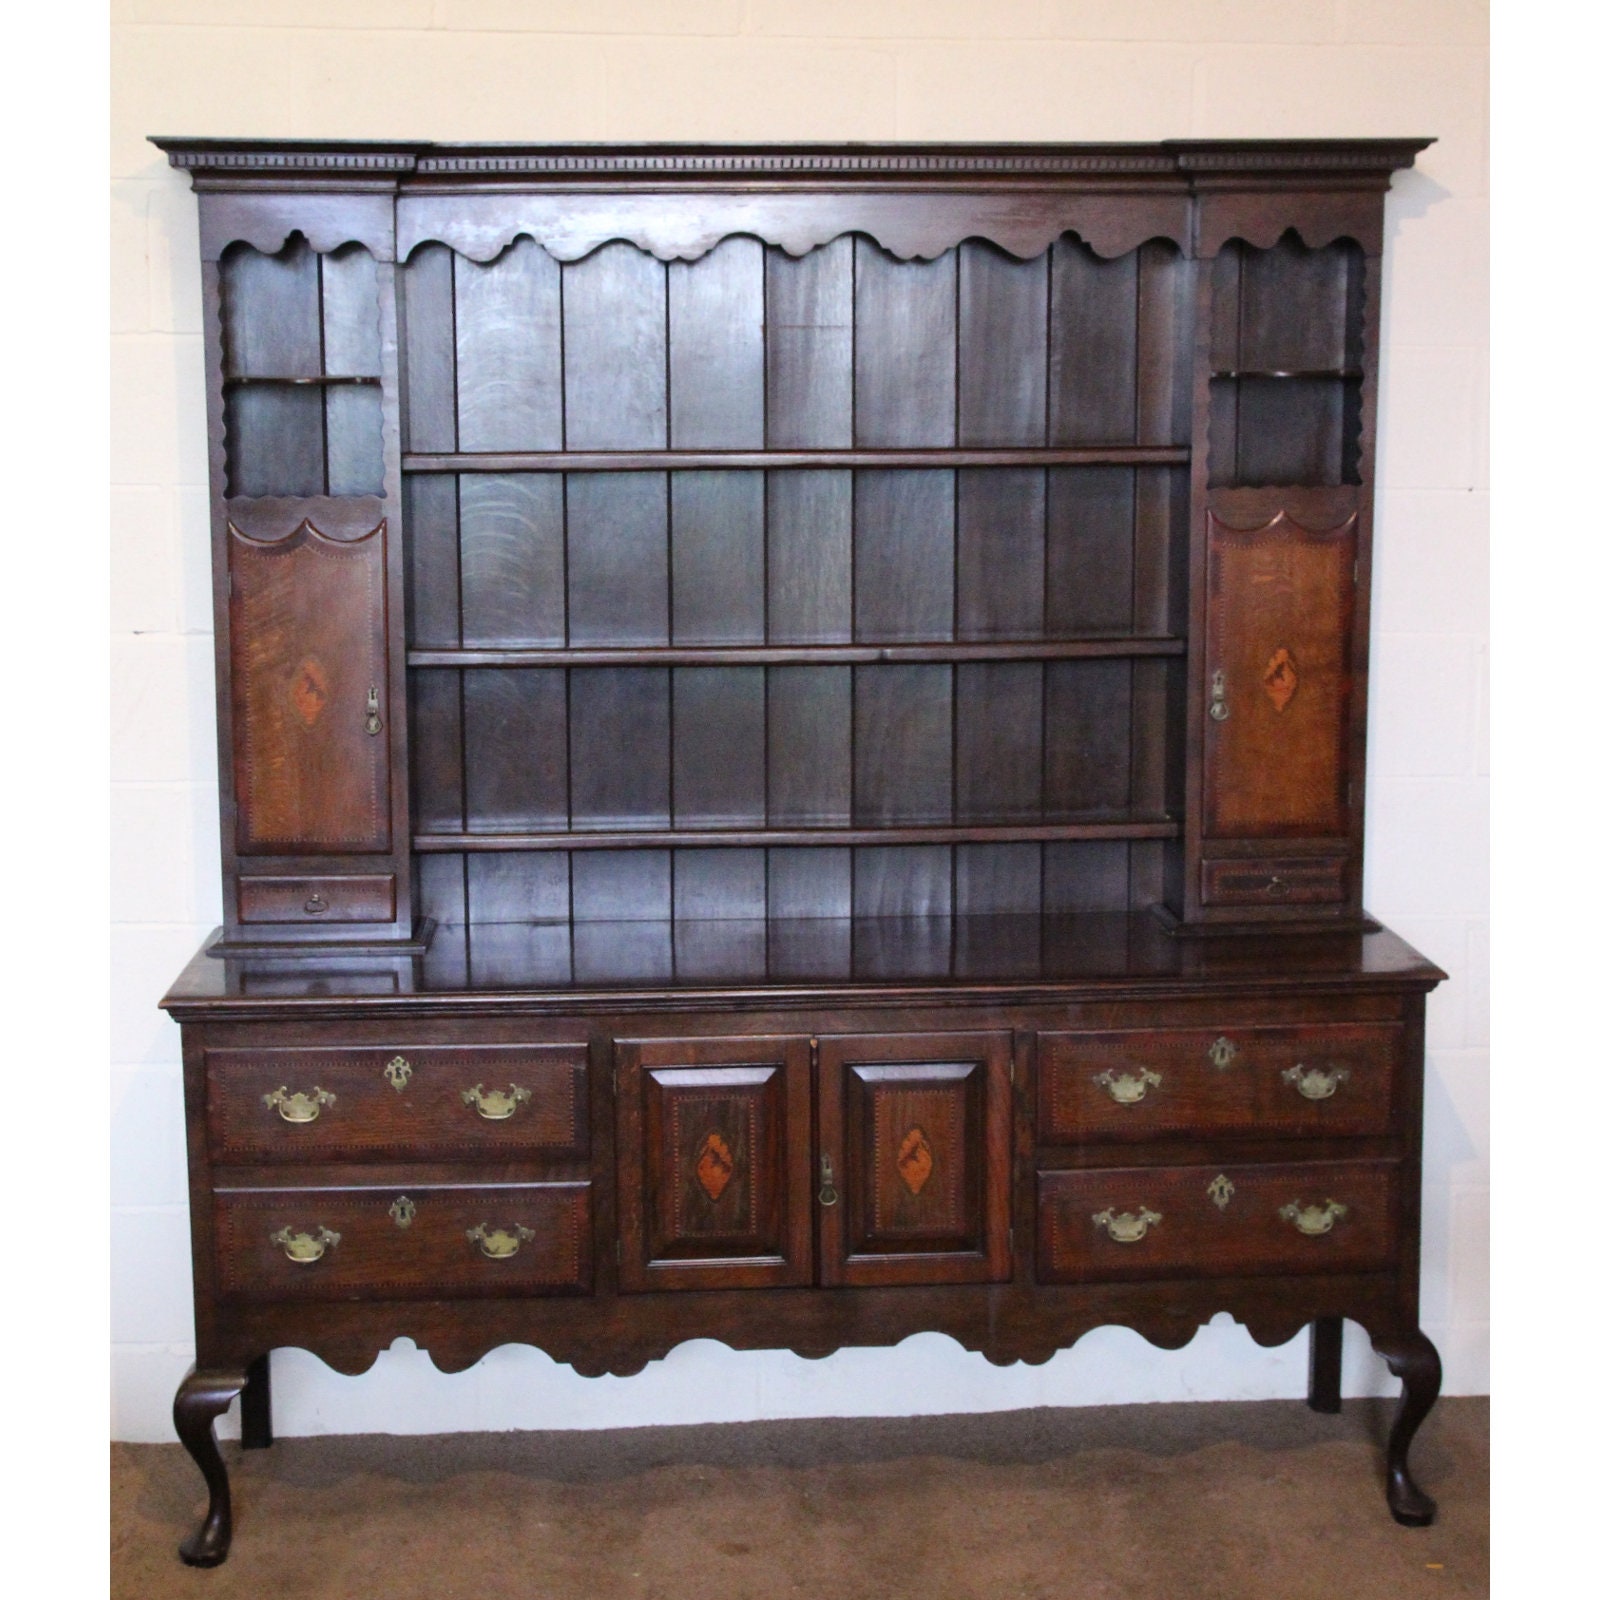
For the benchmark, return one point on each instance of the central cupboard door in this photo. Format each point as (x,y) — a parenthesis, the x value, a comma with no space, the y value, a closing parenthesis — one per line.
(918,1127)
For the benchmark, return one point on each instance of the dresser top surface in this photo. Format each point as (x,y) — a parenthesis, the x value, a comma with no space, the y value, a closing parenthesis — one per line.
(687,964)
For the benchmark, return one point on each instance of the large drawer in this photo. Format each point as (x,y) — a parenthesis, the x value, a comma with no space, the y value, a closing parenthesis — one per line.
(392,1244)
(1333,1078)
(1196,1222)
(377,1102)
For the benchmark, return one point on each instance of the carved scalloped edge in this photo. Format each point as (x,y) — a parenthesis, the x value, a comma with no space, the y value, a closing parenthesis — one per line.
(589,1356)
(1286,519)
(303,532)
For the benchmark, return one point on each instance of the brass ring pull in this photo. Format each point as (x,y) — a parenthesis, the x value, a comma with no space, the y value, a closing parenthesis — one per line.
(1276,887)
(1313,1220)
(1313,1082)
(1127,1227)
(827,1195)
(499,1244)
(492,1104)
(316,904)
(1222,1052)
(374,721)
(299,1107)
(304,1248)
(1127,1088)
(1219,697)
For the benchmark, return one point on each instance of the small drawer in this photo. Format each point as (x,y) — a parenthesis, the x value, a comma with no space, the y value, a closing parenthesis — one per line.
(1281,881)
(1330,1078)
(1213,1222)
(399,1244)
(413,1101)
(368,898)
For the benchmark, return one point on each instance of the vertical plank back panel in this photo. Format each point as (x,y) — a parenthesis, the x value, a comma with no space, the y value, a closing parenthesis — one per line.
(513,560)
(272,312)
(516,745)
(428,303)
(1090,552)
(999,738)
(905,555)
(1093,346)
(902,881)
(1000,565)
(351,342)
(905,352)
(621,747)
(617,578)
(718,558)
(433,560)
(810,348)
(809,557)
(1087,717)
(614,318)
(902,744)
(716,348)
(719,747)
(1003,347)
(994,880)
(436,770)
(808,746)
(508,351)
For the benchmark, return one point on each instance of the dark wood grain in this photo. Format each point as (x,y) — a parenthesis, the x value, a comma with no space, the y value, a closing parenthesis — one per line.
(428,292)
(614,709)
(617,563)
(905,349)
(614,322)
(902,745)
(1003,348)
(718,558)
(1093,346)
(904,555)
(719,747)
(810,343)
(999,722)
(809,557)
(716,348)
(1000,559)
(508,351)
(513,561)
(515,732)
(809,712)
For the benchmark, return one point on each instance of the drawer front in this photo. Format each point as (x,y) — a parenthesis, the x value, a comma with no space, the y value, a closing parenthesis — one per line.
(1200,1222)
(1328,1078)
(1281,881)
(365,898)
(394,1244)
(416,1101)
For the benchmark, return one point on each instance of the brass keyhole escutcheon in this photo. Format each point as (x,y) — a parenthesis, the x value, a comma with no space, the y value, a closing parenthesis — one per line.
(374,721)
(315,905)
(1222,1052)
(1221,1191)
(403,1210)
(398,1072)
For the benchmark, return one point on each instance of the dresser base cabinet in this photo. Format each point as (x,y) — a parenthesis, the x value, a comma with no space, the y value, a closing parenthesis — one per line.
(1161,1131)
(792,758)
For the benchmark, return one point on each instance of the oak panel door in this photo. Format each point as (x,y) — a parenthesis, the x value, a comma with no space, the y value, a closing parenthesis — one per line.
(915,1131)
(310,691)
(714,1162)
(1279,603)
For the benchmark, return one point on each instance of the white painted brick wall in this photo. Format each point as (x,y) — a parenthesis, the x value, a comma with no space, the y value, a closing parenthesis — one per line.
(791,69)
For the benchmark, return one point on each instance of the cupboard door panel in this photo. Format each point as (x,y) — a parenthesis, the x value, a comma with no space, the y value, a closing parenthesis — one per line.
(307,621)
(713,1163)
(1279,606)
(916,1131)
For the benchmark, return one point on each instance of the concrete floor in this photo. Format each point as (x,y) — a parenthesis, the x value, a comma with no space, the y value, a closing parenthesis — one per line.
(1202,1502)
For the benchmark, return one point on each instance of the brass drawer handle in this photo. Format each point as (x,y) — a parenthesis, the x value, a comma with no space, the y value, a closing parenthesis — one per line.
(1219,697)
(374,721)
(1127,1088)
(304,1248)
(499,1244)
(1313,1220)
(1313,1082)
(299,1107)
(827,1195)
(1127,1227)
(494,1105)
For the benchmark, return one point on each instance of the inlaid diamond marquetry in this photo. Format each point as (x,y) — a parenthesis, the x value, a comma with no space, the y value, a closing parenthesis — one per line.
(308,693)
(1281,679)
(915,1160)
(714,1168)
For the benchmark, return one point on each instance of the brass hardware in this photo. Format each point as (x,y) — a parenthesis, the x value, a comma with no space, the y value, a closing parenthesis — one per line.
(1312,1220)
(1219,697)
(1221,1191)
(827,1195)
(398,1072)
(493,1104)
(299,1107)
(1313,1082)
(374,721)
(1222,1052)
(403,1210)
(1127,1227)
(315,905)
(304,1248)
(1277,887)
(1127,1088)
(499,1244)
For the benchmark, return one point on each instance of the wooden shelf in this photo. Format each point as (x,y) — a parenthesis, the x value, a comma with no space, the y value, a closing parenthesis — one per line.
(758,838)
(1289,372)
(801,654)
(319,380)
(762,460)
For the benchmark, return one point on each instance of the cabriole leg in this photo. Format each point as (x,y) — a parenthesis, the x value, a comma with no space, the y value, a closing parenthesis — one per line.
(1412,1358)
(255,1405)
(1327,1363)
(202,1397)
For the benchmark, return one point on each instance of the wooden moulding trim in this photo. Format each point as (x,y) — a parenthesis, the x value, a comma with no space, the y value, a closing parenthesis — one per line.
(341,520)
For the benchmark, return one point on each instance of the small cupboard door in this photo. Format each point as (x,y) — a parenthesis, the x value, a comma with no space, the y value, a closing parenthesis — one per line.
(714,1163)
(915,1130)
(1280,600)
(308,621)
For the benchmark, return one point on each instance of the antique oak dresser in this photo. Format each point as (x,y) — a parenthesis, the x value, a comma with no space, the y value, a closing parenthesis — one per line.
(792,727)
